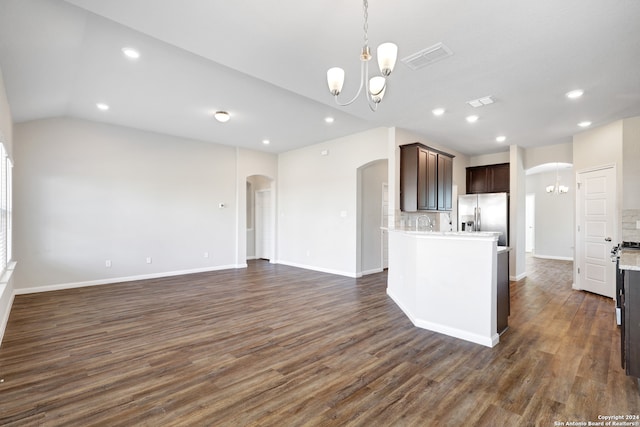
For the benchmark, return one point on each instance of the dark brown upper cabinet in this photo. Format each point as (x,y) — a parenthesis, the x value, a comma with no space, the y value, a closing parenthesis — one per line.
(488,179)
(426,179)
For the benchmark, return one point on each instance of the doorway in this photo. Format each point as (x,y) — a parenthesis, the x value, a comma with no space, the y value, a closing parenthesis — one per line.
(260,218)
(596,233)
(372,208)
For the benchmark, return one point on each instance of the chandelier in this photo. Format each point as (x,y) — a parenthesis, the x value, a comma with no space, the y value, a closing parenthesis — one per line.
(376,86)
(557,188)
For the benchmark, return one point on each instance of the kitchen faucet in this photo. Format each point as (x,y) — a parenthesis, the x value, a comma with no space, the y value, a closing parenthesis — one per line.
(429,222)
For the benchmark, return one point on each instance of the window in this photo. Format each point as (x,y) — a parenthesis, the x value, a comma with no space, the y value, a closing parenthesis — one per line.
(5,208)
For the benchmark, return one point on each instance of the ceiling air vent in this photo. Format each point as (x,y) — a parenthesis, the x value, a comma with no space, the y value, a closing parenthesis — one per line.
(427,56)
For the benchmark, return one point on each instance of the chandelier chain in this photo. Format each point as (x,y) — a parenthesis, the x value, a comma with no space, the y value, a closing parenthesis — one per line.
(365,7)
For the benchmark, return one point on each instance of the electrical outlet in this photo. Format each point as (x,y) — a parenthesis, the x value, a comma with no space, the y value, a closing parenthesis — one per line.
(107,263)
(206,255)
(148,260)
(637,225)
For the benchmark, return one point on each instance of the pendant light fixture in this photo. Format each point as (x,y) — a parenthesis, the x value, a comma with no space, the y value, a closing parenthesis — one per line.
(375,87)
(557,188)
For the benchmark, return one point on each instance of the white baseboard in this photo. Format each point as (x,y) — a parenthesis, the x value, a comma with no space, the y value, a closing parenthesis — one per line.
(314,268)
(491,341)
(372,271)
(518,277)
(61,286)
(559,258)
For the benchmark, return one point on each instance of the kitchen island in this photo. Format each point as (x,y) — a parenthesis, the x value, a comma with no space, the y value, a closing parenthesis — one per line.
(446,281)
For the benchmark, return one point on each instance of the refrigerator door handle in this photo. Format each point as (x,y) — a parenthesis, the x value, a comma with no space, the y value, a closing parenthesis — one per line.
(479,220)
(475,219)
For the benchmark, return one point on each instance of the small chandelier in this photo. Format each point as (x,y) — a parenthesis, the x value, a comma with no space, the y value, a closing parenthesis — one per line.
(557,188)
(376,86)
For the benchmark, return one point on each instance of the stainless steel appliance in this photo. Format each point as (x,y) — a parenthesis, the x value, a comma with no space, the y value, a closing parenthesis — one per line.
(485,212)
(615,257)
(616,252)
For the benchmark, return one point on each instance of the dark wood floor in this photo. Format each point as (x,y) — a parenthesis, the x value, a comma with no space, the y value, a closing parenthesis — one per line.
(278,346)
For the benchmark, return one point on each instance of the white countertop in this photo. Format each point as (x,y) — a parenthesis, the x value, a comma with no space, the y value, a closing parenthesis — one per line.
(448,234)
(629,259)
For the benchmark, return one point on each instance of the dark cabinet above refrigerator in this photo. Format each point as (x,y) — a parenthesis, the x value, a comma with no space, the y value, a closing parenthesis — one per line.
(488,179)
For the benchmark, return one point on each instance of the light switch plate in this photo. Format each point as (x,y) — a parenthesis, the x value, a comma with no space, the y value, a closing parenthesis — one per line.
(637,225)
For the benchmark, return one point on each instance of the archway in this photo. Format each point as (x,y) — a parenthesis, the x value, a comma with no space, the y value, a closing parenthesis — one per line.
(552,218)
(372,214)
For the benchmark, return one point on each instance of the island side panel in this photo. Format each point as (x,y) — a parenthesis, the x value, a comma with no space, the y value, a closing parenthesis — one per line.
(401,277)
(446,284)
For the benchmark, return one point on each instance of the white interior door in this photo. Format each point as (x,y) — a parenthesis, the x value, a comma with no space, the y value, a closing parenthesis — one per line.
(595,208)
(530,221)
(263,224)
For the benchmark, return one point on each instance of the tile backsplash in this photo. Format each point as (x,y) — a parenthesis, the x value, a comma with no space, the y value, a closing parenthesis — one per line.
(630,233)
(409,220)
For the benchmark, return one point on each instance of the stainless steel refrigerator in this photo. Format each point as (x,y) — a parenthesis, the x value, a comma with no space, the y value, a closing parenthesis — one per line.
(485,212)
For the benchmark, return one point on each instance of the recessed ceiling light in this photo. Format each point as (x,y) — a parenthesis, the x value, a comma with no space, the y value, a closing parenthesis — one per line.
(130,53)
(266,141)
(472,119)
(329,119)
(501,138)
(575,94)
(102,106)
(222,116)
(584,124)
(438,111)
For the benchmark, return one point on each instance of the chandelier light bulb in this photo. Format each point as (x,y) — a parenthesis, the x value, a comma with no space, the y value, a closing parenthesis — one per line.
(377,87)
(387,55)
(335,80)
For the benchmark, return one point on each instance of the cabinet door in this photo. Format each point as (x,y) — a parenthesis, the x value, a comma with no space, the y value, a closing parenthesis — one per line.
(423,164)
(432,181)
(445,182)
(477,180)
(498,178)
(408,179)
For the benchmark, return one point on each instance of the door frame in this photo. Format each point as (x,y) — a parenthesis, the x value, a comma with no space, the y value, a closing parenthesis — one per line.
(579,256)
(260,223)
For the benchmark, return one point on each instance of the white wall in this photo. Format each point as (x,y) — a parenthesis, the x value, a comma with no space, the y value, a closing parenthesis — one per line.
(558,153)
(517,222)
(87,192)
(490,159)
(554,214)
(631,167)
(317,201)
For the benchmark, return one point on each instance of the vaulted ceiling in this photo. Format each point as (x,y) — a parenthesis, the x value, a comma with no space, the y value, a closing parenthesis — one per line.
(265,63)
